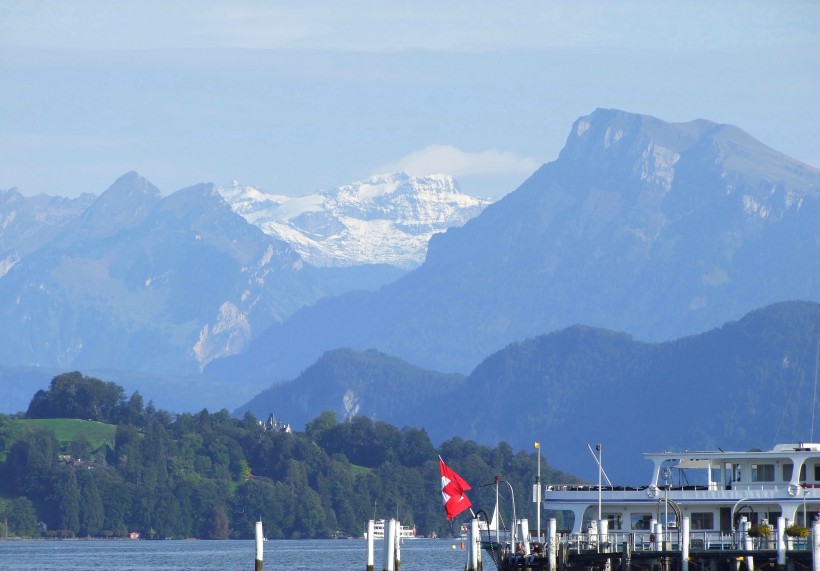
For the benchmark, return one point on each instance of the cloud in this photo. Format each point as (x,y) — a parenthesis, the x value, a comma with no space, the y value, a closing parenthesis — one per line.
(446,159)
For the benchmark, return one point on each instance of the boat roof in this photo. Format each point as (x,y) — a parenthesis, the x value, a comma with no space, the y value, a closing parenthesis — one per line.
(700,458)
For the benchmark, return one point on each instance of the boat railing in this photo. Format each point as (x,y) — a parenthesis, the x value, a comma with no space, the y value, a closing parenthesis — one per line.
(594,488)
(670,540)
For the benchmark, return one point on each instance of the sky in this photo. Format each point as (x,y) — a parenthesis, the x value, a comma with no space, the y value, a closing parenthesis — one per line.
(300,96)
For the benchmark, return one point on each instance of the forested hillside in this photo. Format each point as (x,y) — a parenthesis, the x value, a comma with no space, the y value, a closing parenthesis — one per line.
(208,475)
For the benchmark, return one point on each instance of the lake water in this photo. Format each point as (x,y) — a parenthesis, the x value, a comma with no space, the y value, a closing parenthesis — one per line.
(280,555)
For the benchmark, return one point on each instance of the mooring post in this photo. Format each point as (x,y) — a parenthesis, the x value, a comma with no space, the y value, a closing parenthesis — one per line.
(389,546)
(475,545)
(398,546)
(524,534)
(470,566)
(815,546)
(748,541)
(260,539)
(626,555)
(684,544)
(552,526)
(478,559)
(370,543)
(781,543)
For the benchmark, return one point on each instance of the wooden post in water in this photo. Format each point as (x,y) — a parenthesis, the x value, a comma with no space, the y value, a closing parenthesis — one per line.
(748,544)
(389,546)
(398,546)
(370,542)
(684,542)
(552,527)
(815,546)
(476,544)
(626,555)
(781,543)
(471,562)
(524,534)
(260,538)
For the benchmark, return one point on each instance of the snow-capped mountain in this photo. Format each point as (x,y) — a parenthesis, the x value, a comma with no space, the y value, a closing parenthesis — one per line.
(386,219)
(132,280)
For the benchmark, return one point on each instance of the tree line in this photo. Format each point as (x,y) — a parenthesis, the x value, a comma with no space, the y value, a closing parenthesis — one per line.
(211,476)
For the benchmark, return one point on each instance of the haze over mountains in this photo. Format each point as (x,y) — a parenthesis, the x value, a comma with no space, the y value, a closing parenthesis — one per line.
(746,384)
(656,229)
(133,281)
(602,279)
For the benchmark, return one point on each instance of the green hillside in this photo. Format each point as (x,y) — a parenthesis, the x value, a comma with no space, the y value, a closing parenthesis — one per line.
(68,430)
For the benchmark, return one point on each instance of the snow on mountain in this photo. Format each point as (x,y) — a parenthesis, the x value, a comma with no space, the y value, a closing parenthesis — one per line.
(386,219)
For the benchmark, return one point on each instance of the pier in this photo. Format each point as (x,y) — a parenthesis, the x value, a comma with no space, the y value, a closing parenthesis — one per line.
(661,550)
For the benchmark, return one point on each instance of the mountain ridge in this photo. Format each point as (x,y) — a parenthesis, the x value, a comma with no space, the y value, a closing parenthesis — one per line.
(134,281)
(733,386)
(618,248)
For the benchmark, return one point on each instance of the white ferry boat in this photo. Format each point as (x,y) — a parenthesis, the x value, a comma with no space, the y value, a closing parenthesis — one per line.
(714,489)
(405,531)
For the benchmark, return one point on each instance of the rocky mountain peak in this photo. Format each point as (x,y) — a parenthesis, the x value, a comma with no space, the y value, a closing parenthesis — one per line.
(613,144)
(125,204)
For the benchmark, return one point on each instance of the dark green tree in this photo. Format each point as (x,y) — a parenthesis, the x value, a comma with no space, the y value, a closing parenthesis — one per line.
(20,516)
(67,494)
(92,514)
(218,523)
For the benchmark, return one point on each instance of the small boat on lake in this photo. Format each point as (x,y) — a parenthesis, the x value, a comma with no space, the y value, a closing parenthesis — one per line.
(405,531)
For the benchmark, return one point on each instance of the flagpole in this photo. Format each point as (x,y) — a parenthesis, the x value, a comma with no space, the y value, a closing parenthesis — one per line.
(538,492)
(497,524)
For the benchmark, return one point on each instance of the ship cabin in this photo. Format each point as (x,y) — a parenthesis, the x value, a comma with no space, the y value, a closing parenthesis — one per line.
(713,488)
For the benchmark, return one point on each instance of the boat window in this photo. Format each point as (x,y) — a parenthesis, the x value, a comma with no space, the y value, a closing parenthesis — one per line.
(702,520)
(615,521)
(816,472)
(763,472)
(641,521)
(788,470)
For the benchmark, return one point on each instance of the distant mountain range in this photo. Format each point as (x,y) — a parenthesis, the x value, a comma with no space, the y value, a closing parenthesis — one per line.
(135,282)
(658,229)
(662,231)
(747,384)
(387,219)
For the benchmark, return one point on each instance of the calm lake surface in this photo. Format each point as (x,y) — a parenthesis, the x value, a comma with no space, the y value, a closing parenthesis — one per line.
(280,555)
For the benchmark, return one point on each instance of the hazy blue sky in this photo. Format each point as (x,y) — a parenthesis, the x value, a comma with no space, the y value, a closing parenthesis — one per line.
(304,95)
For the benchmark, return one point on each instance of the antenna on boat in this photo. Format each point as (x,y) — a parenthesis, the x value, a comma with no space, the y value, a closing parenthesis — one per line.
(600,467)
(814,400)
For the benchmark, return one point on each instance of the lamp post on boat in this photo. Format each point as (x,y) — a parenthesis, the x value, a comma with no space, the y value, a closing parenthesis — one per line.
(538,492)
(599,448)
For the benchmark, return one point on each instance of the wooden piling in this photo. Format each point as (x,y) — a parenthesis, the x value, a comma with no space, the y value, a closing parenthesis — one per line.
(748,544)
(684,540)
(389,546)
(781,543)
(397,549)
(815,546)
(260,539)
(370,543)
(626,556)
